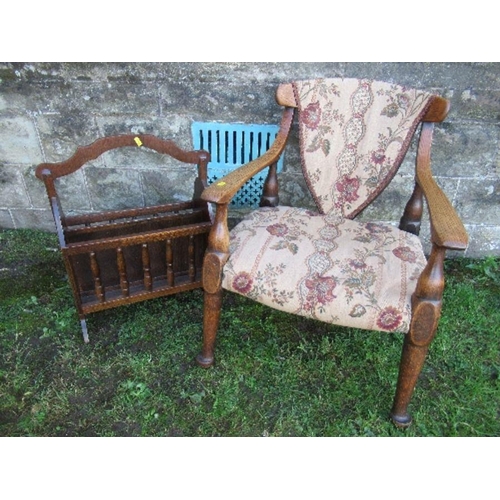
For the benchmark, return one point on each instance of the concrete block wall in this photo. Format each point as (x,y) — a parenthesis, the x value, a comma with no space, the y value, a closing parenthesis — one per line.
(47,110)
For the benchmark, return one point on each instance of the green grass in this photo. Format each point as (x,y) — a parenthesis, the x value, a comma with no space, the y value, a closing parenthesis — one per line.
(275,374)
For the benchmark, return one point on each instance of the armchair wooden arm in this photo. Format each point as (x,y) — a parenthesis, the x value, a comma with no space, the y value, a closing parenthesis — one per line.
(217,252)
(447,229)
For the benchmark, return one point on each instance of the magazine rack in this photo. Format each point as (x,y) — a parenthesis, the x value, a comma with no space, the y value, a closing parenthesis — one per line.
(119,257)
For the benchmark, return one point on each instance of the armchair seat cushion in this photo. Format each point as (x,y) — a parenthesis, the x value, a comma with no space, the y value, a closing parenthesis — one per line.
(340,271)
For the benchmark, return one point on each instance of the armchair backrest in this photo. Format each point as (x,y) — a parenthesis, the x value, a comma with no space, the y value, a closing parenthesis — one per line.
(354,135)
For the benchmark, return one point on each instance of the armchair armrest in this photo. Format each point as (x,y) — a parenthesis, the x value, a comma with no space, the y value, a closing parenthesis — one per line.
(447,229)
(222,191)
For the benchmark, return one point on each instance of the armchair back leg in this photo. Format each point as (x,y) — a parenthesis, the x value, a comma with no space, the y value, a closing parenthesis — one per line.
(412,216)
(270,197)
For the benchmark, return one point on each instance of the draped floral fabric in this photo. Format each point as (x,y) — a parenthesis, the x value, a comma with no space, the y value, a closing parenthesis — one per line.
(354,134)
(353,137)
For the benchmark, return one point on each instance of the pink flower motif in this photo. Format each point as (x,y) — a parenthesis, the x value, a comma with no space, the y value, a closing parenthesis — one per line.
(389,319)
(378,157)
(311,115)
(348,188)
(277,229)
(321,289)
(406,254)
(242,282)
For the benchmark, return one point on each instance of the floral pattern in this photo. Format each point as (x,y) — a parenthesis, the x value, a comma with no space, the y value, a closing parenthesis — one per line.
(277,229)
(405,253)
(312,115)
(353,137)
(320,291)
(389,319)
(242,283)
(325,265)
(348,189)
(340,271)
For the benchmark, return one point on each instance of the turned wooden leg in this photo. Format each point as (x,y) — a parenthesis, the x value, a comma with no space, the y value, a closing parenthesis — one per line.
(412,361)
(211,315)
(426,306)
(412,216)
(270,189)
(213,264)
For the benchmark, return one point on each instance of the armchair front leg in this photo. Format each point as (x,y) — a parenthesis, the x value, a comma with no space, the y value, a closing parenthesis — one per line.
(426,310)
(216,256)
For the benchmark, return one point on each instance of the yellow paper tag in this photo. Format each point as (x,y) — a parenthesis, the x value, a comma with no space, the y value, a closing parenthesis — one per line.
(221,183)
(138,141)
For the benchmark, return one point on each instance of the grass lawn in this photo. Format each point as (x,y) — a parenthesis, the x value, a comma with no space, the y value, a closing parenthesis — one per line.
(275,374)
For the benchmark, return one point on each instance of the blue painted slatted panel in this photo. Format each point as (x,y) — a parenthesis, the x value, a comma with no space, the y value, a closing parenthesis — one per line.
(232,145)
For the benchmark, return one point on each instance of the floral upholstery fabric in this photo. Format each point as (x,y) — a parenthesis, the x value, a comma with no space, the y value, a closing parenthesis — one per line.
(353,137)
(332,269)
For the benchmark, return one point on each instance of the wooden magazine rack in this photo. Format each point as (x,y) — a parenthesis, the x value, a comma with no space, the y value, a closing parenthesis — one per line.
(120,257)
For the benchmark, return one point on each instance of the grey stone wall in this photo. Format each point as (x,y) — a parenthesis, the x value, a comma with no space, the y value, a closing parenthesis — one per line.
(47,110)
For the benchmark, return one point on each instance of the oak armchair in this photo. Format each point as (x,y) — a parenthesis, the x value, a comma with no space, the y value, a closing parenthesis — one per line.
(327,265)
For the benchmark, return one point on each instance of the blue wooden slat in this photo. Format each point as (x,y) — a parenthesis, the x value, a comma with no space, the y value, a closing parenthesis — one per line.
(243,152)
(222,145)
